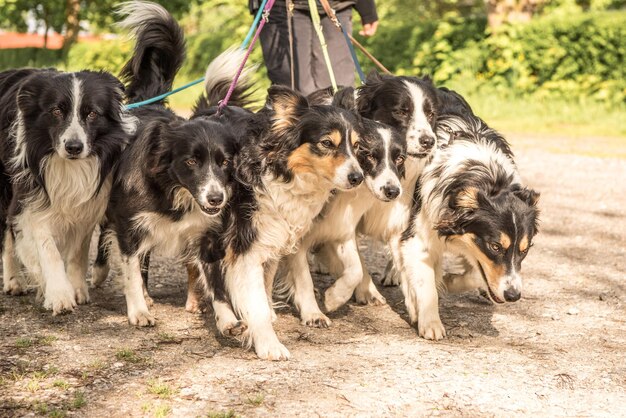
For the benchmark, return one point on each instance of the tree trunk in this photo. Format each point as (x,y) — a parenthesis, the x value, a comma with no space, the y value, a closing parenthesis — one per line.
(72,26)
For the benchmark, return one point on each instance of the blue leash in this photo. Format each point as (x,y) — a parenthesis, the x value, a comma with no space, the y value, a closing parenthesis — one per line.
(245,43)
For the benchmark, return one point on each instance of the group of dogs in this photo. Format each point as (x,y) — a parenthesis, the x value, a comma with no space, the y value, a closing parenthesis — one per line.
(246,200)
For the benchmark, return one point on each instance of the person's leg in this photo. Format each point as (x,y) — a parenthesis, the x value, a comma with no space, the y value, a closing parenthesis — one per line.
(340,58)
(304,40)
(275,45)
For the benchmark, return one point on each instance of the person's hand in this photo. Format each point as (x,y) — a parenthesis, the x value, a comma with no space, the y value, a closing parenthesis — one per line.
(369,29)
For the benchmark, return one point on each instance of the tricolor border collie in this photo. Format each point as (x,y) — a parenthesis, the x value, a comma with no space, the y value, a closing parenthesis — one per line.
(381,155)
(410,105)
(60,135)
(470,202)
(294,155)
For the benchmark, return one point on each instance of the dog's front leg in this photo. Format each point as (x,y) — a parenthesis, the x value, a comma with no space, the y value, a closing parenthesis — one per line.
(59,295)
(138,312)
(341,291)
(10,265)
(244,277)
(392,274)
(269,273)
(366,292)
(418,281)
(298,278)
(77,265)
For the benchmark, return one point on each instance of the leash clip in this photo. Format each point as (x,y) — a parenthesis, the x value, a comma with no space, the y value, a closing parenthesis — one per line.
(266,16)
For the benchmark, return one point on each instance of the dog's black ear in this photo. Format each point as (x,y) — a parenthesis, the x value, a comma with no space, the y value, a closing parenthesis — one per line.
(30,92)
(527,195)
(344,99)
(156,160)
(461,207)
(287,105)
(427,79)
(373,78)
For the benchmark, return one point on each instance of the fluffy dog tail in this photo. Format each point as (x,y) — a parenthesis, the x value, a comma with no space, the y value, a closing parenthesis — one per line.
(159,49)
(219,75)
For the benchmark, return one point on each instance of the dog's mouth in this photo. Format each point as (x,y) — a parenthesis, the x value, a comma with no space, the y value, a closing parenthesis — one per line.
(210,211)
(492,295)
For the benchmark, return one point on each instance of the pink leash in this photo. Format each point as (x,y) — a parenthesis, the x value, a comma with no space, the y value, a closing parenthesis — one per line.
(266,15)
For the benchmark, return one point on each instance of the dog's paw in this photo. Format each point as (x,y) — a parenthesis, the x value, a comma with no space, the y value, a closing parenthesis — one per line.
(98,275)
(82,295)
(13,287)
(234,329)
(60,303)
(431,329)
(271,350)
(315,319)
(369,296)
(141,319)
(192,305)
(149,300)
(392,277)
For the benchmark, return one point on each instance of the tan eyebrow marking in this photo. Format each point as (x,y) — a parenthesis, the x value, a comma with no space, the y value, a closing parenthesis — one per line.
(523,244)
(335,136)
(505,240)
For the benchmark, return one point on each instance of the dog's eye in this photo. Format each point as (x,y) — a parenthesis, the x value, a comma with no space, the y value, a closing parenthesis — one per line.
(191,162)
(431,116)
(328,143)
(56,112)
(371,159)
(400,160)
(526,250)
(225,163)
(356,145)
(92,116)
(495,247)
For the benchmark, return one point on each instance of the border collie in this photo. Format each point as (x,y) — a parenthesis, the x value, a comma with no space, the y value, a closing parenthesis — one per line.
(175,180)
(410,105)
(295,154)
(382,154)
(60,135)
(470,202)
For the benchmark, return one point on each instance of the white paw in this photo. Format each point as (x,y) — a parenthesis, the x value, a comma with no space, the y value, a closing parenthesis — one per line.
(60,300)
(271,349)
(232,329)
(333,300)
(141,318)
(82,295)
(431,328)
(315,319)
(392,277)
(148,298)
(191,305)
(369,296)
(273,314)
(13,287)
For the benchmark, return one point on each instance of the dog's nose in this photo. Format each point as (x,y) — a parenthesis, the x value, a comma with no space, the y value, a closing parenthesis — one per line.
(391,191)
(74,147)
(355,178)
(427,141)
(215,199)
(512,294)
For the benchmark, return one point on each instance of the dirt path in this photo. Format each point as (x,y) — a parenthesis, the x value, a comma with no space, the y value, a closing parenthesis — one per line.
(560,351)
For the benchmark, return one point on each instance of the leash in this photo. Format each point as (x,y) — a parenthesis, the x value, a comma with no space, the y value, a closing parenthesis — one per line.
(330,12)
(160,97)
(290,6)
(266,15)
(317,24)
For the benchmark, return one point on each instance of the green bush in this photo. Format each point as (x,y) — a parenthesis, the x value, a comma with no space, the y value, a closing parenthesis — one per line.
(28,57)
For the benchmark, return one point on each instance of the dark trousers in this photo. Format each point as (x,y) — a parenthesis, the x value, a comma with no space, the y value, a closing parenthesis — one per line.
(311,72)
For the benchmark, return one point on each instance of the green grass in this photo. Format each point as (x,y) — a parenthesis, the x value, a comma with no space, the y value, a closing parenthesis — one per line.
(227,414)
(79,401)
(60,383)
(128,356)
(162,411)
(27,342)
(257,400)
(160,389)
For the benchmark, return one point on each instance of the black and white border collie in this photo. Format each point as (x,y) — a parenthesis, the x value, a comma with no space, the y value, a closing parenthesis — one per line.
(60,135)
(382,154)
(410,105)
(175,180)
(295,154)
(470,202)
